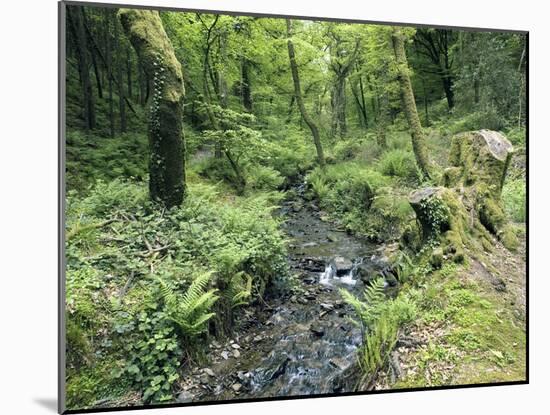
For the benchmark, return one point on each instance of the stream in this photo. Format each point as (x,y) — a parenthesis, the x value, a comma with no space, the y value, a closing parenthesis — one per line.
(303,343)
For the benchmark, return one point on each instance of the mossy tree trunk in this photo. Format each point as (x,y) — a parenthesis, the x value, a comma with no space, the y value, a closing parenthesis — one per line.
(298,95)
(167,146)
(409,104)
(479,162)
(339,104)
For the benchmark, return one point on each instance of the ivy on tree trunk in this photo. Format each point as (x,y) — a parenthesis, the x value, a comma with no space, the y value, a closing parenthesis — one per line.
(156,55)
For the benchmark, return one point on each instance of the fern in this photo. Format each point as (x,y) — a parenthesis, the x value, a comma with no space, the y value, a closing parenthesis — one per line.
(370,307)
(191,310)
(380,320)
(240,289)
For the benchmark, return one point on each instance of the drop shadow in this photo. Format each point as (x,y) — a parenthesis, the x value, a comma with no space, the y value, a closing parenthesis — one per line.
(48,403)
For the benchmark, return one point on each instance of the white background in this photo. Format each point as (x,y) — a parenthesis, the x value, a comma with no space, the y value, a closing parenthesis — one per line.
(28,203)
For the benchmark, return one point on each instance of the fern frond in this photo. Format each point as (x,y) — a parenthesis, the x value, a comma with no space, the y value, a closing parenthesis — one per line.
(240,294)
(374,294)
(190,310)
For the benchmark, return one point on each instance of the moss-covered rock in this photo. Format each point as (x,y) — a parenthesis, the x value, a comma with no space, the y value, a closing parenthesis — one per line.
(480,159)
(443,220)
(468,207)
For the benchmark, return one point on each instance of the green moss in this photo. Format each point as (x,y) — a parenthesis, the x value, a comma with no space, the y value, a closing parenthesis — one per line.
(451,176)
(483,341)
(509,238)
(436,259)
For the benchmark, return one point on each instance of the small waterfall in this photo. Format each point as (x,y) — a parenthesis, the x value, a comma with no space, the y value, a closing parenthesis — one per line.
(329,274)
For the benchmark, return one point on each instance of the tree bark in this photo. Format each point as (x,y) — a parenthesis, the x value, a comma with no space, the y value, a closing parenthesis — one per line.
(120,82)
(109,64)
(129,72)
(409,104)
(339,126)
(246,89)
(298,95)
(76,25)
(167,145)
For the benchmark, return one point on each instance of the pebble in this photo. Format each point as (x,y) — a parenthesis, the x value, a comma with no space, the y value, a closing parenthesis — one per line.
(236,387)
(185,397)
(236,353)
(209,372)
(235,346)
(225,354)
(317,329)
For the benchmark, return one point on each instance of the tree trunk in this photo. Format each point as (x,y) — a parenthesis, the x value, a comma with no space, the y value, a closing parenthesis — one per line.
(76,23)
(359,107)
(129,72)
(222,89)
(409,104)
(93,56)
(364,104)
(246,89)
(167,145)
(109,64)
(298,95)
(448,87)
(383,121)
(143,85)
(339,127)
(120,82)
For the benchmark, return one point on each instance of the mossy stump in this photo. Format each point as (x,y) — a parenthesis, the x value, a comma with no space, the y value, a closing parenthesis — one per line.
(468,207)
(479,162)
(443,220)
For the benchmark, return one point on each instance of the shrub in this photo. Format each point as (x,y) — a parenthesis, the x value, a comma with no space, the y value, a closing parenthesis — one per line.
(92,157)
(344,186)
(517,136)
(399,163)
(362,199)
(133,268)
(389,214)
(260,177)
(346,149)
(291,155)
(514,198)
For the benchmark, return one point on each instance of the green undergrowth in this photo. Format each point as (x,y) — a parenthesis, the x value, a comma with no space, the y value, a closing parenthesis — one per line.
(472,334)
(363,199)
(90,157)
(467,331)
(145,285)
(380,319)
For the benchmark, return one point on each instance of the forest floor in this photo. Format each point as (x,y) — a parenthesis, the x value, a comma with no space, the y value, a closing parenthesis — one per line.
(301,342)
(472,327)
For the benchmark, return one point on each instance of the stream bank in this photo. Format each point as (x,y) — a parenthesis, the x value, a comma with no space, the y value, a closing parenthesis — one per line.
(303,342)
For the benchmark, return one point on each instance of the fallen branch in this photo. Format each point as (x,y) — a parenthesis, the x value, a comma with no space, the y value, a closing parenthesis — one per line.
(77,228)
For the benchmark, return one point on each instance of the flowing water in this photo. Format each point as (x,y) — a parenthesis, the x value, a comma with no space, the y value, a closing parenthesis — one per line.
(303,343)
